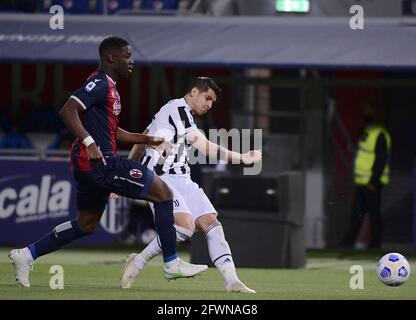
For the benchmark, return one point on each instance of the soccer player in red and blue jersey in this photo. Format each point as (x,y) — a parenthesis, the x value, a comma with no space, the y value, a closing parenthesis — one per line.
(98,170)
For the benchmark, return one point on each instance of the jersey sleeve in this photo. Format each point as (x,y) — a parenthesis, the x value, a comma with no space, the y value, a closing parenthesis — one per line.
(93,92)
(185,123)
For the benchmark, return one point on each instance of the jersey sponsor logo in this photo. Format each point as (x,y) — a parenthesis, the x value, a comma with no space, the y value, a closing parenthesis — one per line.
(90,86)
(34,202)
(116,104)
(135,173)
(116,108)
(176,203)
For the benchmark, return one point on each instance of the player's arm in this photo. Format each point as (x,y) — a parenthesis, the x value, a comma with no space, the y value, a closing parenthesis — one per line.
(159,144)
(137,151)
(210,149)
(137,138)
(70,117)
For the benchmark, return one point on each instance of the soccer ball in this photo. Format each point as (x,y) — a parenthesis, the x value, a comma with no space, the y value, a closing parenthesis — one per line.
(393,269)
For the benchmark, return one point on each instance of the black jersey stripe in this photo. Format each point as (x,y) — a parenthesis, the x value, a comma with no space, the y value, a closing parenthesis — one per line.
(178,170)
(184,117)
(146,162)
(158,169)
(175,137)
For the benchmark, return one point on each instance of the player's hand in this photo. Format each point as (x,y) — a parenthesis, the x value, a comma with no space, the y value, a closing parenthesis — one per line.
(113,195)
(153,142)
(163,147)
(251,157)
(95,154)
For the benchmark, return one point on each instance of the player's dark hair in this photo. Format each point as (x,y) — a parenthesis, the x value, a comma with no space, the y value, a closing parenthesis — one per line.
(203,84)
(111,43)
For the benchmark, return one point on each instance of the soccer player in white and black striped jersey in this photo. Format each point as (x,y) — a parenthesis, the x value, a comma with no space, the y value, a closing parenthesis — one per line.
(192,209)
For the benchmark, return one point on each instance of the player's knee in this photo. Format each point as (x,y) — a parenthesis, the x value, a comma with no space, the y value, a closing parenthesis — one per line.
(187,224)
(205,221)
(88,227)
(190,227)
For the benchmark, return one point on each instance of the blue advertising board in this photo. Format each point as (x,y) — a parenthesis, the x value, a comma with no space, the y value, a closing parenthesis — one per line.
(37,195)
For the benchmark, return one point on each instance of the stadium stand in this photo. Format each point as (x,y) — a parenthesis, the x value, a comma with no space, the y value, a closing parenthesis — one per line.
(90,7)
(42,128)
(15,140)
(41,120)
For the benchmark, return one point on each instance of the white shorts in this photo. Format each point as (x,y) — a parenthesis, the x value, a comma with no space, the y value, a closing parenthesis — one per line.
(188,197)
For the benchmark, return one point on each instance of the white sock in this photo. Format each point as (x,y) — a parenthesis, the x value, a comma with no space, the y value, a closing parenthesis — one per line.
(220,252)
(171,263)
(154,248)
(27,254)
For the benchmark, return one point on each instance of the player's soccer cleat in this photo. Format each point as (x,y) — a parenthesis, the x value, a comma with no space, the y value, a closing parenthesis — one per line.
(130,272)
(238,286)
(21,266)
(182,269)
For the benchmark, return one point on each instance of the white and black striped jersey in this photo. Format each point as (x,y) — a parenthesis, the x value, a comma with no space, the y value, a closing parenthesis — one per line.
(173,121)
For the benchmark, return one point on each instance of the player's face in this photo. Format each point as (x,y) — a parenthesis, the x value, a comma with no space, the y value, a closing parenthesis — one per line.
(203,101)
(124,62)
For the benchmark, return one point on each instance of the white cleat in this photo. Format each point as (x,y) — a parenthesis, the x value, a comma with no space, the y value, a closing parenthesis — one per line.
(130,272)
(21,266)
(238,286)
(182,269)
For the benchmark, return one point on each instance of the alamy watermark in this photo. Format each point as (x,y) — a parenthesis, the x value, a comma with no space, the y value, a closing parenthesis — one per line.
(57,20)
(57,280)
(239,141)
(357,280)
(357,20)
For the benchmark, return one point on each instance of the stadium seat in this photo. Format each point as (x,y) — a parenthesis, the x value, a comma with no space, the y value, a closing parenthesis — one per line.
(41,120)
(167,4)
(72,6)
(41,141)
(15,140)
(18,6)
(62,140)
(116,5)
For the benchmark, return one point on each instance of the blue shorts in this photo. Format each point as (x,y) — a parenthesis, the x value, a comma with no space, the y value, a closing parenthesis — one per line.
(124,177)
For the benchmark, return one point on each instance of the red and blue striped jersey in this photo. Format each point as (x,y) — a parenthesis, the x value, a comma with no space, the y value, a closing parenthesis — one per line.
(101,103)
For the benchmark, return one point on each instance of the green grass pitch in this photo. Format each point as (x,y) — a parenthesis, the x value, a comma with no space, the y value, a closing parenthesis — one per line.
(93,274)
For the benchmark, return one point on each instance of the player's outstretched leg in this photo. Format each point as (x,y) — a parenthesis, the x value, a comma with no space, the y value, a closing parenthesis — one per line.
(130,272)
(136,262)
(220,253)
(174,267)
(23,259)
(23,264)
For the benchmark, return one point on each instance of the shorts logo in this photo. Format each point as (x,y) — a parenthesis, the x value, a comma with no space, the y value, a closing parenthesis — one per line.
(135,173)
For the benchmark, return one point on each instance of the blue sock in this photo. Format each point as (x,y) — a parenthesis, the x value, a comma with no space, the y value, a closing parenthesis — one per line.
(60,236)
(167,233)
